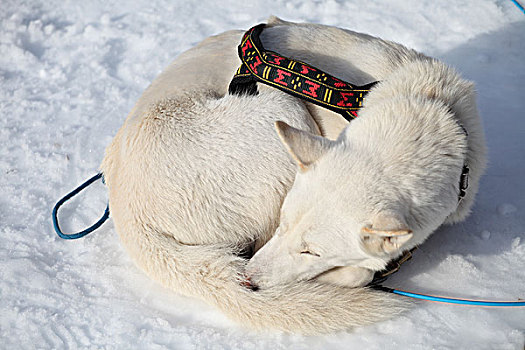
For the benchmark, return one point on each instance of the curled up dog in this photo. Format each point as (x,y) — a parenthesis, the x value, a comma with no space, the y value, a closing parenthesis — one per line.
(197,175)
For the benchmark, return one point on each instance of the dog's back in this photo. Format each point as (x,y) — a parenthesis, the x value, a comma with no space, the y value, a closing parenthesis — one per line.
(434,82)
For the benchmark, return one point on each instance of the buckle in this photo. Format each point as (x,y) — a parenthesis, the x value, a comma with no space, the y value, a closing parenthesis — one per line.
(392,267)
(463,182)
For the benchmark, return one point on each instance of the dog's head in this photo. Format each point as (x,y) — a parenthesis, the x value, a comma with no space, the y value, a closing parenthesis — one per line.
(341,211)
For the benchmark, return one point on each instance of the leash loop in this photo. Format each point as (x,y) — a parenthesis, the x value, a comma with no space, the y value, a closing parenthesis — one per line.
(67,197)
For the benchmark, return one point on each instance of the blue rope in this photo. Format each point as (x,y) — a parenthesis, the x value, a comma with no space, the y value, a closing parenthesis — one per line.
(451,300)
(68,197)
(518,5)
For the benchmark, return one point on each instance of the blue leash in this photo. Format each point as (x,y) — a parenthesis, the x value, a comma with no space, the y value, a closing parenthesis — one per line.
(68,197)
(446,300)
(518,5)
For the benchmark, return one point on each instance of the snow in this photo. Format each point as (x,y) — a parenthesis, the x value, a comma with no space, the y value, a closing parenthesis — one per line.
(71,70)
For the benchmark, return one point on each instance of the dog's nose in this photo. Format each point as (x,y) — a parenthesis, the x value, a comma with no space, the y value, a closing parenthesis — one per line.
(247,283)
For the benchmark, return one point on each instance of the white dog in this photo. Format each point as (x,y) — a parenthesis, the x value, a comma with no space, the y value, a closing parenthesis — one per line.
(196,176)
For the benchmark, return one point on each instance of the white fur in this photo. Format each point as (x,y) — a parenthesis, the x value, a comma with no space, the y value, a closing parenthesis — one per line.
(196,175)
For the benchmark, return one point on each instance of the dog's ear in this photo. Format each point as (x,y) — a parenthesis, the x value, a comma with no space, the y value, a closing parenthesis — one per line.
(304,147)
(276,21)
(387,234)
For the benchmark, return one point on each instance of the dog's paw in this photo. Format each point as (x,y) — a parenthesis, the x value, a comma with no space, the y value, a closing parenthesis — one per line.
(347,276)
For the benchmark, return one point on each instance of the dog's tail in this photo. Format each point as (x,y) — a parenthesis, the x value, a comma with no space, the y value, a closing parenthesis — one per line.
(214,274)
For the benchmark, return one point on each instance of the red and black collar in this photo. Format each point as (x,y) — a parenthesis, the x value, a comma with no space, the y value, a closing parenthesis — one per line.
(293,77)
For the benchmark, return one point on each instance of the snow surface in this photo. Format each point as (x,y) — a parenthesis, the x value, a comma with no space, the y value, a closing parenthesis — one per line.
(71,70)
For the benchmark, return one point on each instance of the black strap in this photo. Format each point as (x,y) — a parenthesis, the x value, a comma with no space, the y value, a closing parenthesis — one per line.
(392,267)
(463,179)
(294,77)
(463,182)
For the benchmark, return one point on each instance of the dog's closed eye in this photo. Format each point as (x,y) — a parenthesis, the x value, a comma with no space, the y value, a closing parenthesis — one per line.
(308,252)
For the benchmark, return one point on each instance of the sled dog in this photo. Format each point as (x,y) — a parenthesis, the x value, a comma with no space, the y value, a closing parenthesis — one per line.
(197,176)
